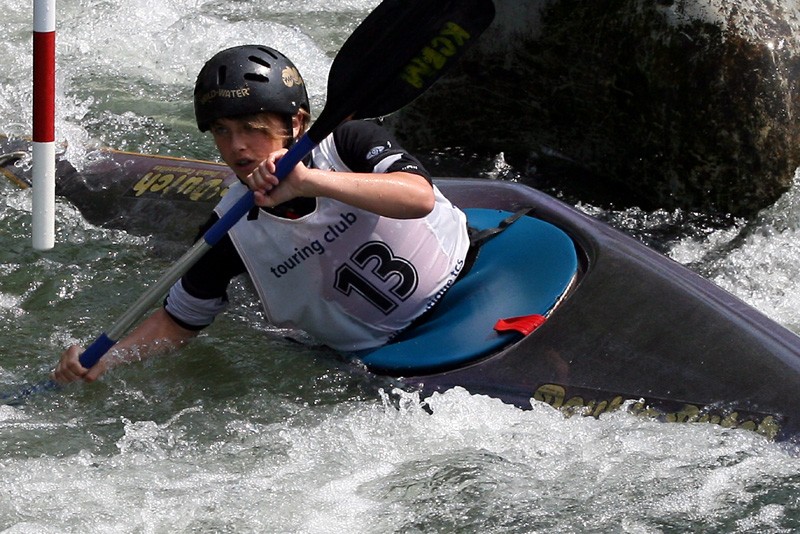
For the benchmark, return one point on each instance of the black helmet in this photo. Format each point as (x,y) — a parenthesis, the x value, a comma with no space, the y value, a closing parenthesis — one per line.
(247,79)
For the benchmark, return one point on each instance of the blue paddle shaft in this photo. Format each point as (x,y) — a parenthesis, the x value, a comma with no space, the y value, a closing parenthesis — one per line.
(105,341)
(96,350)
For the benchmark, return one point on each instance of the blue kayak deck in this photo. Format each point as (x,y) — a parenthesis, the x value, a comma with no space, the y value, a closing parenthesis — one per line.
(522,271)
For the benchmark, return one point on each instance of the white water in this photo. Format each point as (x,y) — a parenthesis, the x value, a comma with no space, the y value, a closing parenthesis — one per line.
(763,264)
(475,465)
(244,432)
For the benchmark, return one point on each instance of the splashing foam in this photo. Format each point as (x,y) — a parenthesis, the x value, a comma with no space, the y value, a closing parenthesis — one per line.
(759,261)
(469,462)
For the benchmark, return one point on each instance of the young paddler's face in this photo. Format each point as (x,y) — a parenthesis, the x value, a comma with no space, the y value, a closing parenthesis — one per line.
(243,144)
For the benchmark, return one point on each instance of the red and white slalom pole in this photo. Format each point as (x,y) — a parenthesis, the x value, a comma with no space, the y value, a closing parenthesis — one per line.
(44,134)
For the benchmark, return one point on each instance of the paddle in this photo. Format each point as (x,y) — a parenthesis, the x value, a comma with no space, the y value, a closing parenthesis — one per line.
(392,57)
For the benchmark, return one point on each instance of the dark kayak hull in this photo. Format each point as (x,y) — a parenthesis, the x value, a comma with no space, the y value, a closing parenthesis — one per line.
(636,326)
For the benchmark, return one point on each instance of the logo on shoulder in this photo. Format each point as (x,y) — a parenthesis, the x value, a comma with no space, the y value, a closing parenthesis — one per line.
(375,151)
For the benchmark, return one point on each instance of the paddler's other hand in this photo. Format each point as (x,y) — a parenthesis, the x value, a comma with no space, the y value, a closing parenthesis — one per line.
(267,189)
(69,368)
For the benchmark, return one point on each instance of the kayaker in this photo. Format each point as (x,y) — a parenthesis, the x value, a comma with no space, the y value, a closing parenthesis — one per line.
(351,247)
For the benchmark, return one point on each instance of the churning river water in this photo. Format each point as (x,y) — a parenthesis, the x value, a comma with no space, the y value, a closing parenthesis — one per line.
(245,432)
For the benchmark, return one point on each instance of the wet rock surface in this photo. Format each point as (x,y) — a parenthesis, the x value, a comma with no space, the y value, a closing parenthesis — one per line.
(660,104)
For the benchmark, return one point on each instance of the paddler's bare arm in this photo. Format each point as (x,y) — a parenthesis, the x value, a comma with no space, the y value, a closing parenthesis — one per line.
(155,335)
(399,195)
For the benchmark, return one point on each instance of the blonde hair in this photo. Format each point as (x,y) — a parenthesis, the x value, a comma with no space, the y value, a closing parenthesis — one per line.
(265,122)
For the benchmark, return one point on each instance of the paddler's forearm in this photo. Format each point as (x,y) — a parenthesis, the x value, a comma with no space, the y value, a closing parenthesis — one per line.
(399,195)
(157,334)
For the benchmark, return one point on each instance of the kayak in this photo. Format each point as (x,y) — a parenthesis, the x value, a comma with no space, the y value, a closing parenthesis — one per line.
(558,307)
(635,329)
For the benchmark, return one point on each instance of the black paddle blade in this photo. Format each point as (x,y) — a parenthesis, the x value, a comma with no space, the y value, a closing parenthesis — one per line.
(397,53)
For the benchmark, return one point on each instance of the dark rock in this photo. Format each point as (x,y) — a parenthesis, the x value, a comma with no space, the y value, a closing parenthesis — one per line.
(670,104)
